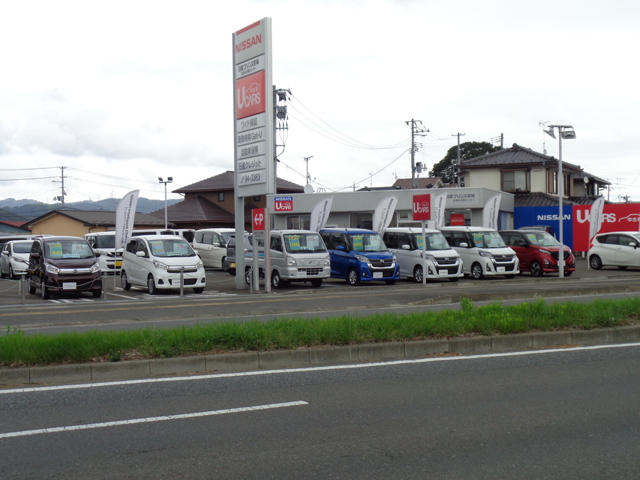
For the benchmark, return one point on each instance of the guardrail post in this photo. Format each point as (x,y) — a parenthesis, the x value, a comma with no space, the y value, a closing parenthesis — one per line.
(104,286)
(181,282)
(22,287)
(250,275)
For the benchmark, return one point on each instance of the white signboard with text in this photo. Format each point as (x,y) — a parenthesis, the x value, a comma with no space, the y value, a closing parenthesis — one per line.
(253,104)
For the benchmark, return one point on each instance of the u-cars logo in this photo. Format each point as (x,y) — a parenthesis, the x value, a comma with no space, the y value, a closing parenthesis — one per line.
(250,96)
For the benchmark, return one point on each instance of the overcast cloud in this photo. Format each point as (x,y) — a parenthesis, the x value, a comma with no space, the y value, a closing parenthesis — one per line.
(124,92)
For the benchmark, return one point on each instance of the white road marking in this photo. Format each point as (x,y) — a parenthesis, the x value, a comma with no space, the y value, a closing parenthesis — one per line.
(310,369)
(150,419)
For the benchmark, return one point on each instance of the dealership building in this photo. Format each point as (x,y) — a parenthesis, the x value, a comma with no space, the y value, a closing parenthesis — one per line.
(464,206)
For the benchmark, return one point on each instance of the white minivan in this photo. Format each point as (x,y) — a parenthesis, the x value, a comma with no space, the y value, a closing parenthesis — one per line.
(159,261)
(110,258)
(295,256)
(211,245)
(483,251)
(442,262)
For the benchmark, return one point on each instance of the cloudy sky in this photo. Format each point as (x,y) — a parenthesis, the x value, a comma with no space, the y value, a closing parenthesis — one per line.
(123,92)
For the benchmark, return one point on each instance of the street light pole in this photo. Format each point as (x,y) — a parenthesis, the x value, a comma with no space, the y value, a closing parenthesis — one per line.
(567,132)
(169,180)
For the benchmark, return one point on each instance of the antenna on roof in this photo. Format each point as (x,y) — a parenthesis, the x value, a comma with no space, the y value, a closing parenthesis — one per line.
(542,124)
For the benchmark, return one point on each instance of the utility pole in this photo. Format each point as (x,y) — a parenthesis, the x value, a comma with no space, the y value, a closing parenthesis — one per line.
(416,130)
(456,167)
(63,193)
(306,159)
(280,124)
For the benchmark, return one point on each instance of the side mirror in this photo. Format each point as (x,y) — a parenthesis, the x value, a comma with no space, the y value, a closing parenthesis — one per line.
(633,244)
(341,248)
(140,253)
(4,252)
(464,245)
(405,247)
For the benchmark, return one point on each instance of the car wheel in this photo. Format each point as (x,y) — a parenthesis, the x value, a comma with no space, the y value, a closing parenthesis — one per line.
(46,295)
(417,274)
(2,274)
(32,289)
(595,262)
(476,271)
(536,269)
(352,277)
(198,290)
(247,276)
(96,293)
(317,282)
(13,275)
(224,259)
(390,282)
(124,281)
(276,281)
(151,286)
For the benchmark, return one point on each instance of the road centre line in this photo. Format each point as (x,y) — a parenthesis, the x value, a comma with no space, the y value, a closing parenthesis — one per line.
(312,369)
(151,419)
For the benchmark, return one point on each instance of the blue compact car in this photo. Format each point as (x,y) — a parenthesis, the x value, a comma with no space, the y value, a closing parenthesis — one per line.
(359,255)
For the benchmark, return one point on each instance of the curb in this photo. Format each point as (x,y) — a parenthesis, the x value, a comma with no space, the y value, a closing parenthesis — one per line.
(313,357)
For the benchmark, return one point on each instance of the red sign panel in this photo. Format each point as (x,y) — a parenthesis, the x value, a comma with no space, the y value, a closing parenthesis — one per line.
(456,220)
(258,219)
(251,97)
(283,204)
(422,207)
(624,217)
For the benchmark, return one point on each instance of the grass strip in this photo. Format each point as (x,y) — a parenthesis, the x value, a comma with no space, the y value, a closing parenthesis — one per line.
(18,349)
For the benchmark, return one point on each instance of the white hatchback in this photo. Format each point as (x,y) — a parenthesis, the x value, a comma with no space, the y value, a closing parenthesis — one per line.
(615,249)
(161,262)
(15,258)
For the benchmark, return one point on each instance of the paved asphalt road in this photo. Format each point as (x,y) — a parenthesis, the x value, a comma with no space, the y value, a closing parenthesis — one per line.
(222,301)
(570,414)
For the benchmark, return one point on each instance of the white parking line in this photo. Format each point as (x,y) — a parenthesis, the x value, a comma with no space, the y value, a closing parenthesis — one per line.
(150,419)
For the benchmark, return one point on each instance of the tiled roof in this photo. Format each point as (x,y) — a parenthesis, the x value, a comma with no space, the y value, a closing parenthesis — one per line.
(516,155)
(99,218)
(224,181)
(406,183)
(195,209)
(540,199)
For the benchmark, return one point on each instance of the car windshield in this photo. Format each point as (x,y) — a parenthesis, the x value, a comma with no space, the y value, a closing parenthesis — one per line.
(22,247)
(488,239)
(226,236)
(170,247)
(541,239)
(435,241)
(366,242)
(61,249)
(105,241)
(303,243)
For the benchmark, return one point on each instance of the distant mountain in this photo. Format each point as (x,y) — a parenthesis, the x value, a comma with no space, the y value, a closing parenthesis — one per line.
(11,209)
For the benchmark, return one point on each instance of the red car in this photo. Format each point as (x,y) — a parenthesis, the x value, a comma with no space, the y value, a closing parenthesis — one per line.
(538,252)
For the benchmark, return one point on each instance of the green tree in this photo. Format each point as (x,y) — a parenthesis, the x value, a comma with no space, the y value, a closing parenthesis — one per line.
(468,150)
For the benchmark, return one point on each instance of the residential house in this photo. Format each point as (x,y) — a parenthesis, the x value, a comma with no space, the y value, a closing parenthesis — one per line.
(531,176)
(211,203)
(79,222)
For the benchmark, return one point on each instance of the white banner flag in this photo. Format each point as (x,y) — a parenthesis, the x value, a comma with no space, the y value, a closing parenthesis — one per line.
(596,217)
(125,213)
(383,213)
(438,209)
(490,212)
(320,214)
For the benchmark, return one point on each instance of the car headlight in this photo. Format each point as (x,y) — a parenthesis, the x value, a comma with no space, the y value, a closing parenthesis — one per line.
(95,268)
(327,260)
(362,258)
(482,253)
(52,269)
(160,265)
(291,261)
(199,265)
(395,260)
